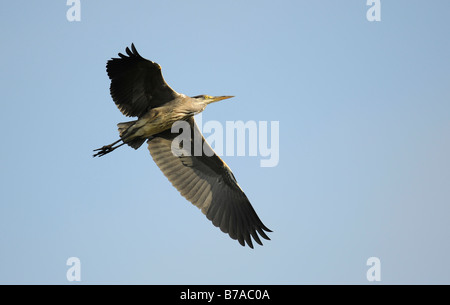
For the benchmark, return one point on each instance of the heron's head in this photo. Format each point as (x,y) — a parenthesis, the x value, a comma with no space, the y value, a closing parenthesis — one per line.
(207,99)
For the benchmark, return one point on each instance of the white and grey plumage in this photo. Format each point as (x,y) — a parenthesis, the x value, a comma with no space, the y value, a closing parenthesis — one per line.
(139,90)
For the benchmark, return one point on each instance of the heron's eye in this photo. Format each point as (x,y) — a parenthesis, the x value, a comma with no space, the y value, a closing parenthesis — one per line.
(208,96)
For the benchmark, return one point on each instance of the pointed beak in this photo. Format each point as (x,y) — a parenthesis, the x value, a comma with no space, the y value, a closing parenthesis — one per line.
(219,98)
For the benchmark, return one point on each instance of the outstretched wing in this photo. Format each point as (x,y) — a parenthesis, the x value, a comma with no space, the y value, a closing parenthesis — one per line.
(209,184)
(137,84)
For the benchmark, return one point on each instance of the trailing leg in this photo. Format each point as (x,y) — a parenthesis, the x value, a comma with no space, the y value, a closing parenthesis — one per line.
(106,149)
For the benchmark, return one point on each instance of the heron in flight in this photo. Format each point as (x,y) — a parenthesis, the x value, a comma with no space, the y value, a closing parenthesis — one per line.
(139,90)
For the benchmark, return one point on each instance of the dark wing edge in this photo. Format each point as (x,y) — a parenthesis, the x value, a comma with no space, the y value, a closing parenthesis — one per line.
(137,84)
(209,184)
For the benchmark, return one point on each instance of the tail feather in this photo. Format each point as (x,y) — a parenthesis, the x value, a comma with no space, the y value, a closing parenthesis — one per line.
(123,128)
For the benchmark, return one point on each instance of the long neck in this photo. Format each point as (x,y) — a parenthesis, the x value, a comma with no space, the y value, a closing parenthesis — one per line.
(195,105)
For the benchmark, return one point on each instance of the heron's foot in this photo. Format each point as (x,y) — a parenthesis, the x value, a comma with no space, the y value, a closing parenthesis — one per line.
(104,150)
(107,149)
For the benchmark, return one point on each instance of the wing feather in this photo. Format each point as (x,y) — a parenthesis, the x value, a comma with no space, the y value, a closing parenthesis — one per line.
(137,84)
(209,184)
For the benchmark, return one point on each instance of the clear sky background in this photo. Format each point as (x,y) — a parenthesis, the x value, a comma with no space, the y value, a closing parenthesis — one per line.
(364,115)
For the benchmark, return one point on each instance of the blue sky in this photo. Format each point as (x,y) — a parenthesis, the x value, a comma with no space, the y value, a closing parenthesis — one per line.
(363,109)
